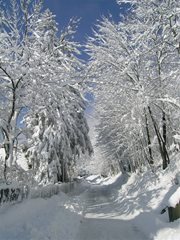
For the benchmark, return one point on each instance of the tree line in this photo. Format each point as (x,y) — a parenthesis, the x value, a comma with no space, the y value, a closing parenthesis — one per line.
(135,68)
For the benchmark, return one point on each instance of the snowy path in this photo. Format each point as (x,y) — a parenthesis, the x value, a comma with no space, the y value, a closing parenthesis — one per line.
(89,211)
(101,221)
(108,229)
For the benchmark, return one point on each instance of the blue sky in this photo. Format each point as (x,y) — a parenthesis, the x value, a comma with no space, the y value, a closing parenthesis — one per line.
(88,10)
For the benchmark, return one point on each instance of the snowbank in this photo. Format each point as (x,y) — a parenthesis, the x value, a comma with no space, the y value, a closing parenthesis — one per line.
(145,195)
(40,219)
(175,198)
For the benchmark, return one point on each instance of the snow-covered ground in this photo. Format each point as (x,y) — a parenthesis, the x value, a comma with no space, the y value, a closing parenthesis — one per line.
(40,219)
(133,210)
(137,201)
(120,208)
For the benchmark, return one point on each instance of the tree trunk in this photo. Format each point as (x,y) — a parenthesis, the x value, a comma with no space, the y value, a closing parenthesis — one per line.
(162,144)
(6,149)
(164,128)
(151,161)
(64,172)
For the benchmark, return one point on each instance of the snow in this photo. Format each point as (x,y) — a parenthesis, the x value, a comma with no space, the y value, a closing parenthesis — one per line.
(92,178)
(169,233)
(123,207)
(21,160)
(127,206)
(104,229)
(40,219)
(175,198)
(177,137)
(65,217)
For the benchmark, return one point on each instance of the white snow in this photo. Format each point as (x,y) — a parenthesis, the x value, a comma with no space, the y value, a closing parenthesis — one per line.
(21,160)
(175,198)
(124,207)
(177,137)
(92,178)
(40,219)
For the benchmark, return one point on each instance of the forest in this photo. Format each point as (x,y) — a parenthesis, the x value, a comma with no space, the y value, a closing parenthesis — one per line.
(132,72)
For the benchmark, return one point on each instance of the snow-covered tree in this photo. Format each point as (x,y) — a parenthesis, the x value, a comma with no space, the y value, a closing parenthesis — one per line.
(39,72)
(14,65)
(59,137)
(135,67)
